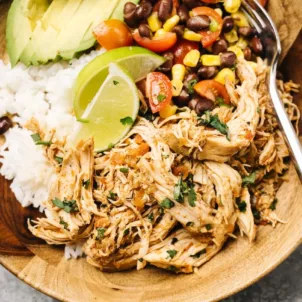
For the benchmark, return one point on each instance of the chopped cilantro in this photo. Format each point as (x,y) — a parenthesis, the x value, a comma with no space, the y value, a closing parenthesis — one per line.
(86,183)
(124,170)
(197,255)
(59,159)
(127,232)
(37,140)
(191,85)
(213,121)
(174,240)
(151,216)
(208,227)
(171,254)
(100,233)
(190,223)
(68,206)
(178,191)
(115,82)
(192,197)
(249,180)
(167,203)
(127,120)
(221,103)
(112,196)
(273,204)
(241,206)
(256,214)
(65,224)
(161,97)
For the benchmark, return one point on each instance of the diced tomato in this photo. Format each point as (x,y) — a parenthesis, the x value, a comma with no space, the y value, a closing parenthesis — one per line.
(208,88)
(181,48)
(159,44)
(209,37)
(263,2)
(159,91)
(113,34)
(141,150)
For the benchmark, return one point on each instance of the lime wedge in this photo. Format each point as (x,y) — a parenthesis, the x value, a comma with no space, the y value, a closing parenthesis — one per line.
(138,61)
(112,112)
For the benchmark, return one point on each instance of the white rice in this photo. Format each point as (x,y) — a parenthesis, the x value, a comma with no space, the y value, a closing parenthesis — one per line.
(45,93)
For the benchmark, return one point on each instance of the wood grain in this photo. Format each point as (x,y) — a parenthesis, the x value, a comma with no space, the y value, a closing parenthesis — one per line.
(237,266)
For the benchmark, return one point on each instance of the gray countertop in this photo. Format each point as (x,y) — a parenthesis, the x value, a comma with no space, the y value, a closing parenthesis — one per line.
(284,284)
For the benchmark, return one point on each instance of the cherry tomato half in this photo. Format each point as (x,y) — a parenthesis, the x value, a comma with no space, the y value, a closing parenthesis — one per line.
(159,44)
(212,89)
(159,91)
(209,37)
(181,48)
(113,34)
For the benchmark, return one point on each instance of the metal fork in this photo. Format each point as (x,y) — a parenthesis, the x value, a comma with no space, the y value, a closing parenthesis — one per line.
(269,36)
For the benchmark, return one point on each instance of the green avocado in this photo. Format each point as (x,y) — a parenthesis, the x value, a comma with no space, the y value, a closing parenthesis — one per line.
(22,19)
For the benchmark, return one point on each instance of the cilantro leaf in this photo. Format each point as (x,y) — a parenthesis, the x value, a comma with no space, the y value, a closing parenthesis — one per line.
(197,255)
(126,232)
(208,227)
(68,206)
(59,159)
(178,191)
(249,180)
(191,85)
(192,197)
(65,224)
(86,183)
(273,204)
(127,120)
(213,121)
(112,196)
(124,170)
(167,203)
(171,254)
(100,233)
(161,97)
(151,216)
(242,206)
(38,141)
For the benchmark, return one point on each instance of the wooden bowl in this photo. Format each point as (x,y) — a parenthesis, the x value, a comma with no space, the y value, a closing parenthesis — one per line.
(237,266)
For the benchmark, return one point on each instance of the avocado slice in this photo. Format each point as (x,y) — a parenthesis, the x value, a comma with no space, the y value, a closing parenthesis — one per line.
(50,29)
(22,19)
(75,38)
(118,13)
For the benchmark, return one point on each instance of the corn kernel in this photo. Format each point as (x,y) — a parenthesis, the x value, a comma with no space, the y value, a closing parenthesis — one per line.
(170,23)
(231,36)
(224,74)
(178,72)
(192,36)
(210,60)
(168,111)
(240,19)
(176,87)
(154,23)
(254,65)
(238,52)
(232,6)
(191,14)
(218,11)
(242,43)
(160,33)
(192,57)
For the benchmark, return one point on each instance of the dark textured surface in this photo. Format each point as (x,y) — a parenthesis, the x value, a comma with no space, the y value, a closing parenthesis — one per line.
(282,285)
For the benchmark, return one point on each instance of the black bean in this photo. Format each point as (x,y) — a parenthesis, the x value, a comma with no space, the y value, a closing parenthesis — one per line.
(165,9)
(198,23)
(183,14)
(203,105)
(228,59)
(256,46)
(129,14)
(167,66)
(228,24)
(219,46)
(247,31)
(189,80)
(144,10)
(192,104)
(183,99)
(192,3)
(207,72)
(247,53)
(144,31)
(179,30)
(5,124)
